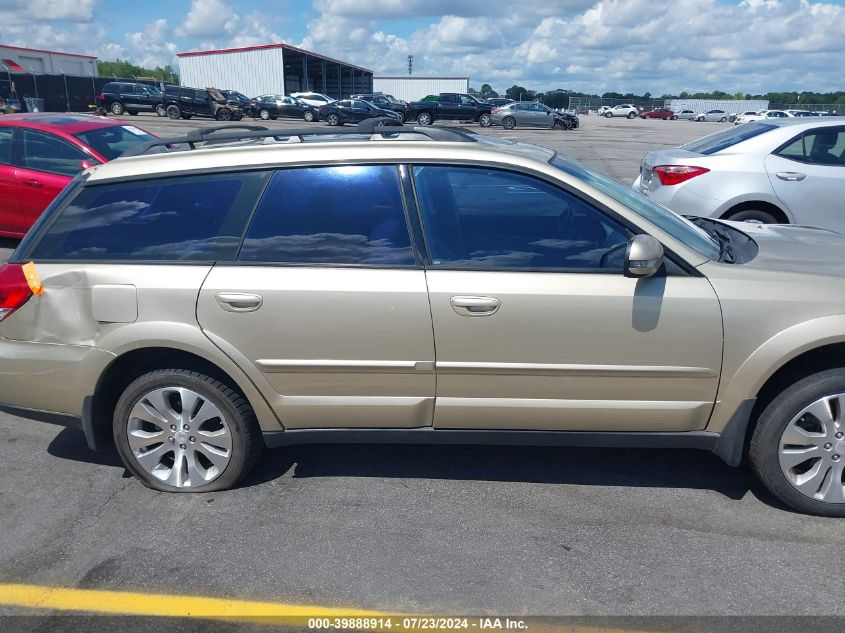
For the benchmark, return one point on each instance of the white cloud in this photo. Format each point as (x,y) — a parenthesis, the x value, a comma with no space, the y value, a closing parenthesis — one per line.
(209,18)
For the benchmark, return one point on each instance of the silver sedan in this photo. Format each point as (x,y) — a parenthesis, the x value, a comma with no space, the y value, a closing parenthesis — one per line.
(712,115)
(787,170)
(525,114)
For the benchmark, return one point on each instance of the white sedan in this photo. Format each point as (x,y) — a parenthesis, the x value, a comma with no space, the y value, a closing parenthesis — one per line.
(763,115)
(712,115)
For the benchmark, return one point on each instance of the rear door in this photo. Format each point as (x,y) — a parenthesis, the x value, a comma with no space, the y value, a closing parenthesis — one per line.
(808,175)
(48,163)
(537,327)
(327,304)
(447,106)
(11,214)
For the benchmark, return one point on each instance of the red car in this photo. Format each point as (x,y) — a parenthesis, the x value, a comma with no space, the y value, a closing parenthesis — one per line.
(659,113)
(40,153)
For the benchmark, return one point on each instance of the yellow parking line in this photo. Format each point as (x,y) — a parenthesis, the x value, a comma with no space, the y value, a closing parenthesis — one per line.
(167,605)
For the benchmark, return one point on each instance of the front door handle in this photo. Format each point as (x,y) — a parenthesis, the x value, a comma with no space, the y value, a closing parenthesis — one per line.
(791,176)
(475,306)
(239,301)
(32,184)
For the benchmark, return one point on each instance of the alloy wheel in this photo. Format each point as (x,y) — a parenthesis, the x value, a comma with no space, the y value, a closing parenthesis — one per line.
(179,436)
(811,450)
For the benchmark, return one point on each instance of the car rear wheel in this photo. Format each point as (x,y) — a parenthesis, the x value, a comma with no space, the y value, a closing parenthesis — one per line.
(425,118)
(117,108)
(509,123)
(674,117)
(264,114)
(182,431)
(308,116)
(484,120)
(333,119)
(173,112)
(755,215)
(161,110)
(224,114)
(798,445)
(632,115)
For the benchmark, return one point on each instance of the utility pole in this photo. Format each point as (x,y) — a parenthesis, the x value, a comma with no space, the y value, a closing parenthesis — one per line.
(410,64)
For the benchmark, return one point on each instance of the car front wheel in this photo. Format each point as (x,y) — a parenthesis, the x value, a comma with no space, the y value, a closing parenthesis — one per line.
(264,114)
(308,116)
(798,445)
(161,110)
(182,431)
(632,115)
(333,119)
(608,115)
(425,118)
(509,123)
(484,120)
(173,112)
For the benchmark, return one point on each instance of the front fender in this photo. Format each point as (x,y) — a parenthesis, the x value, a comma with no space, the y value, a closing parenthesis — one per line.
(768,358)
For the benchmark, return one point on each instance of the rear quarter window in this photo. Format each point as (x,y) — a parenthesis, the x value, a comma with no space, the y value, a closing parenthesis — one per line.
(200,218)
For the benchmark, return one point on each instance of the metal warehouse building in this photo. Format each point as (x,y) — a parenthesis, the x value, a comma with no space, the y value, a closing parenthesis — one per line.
(411,88)
(731,106)
(15,59)
(272,69)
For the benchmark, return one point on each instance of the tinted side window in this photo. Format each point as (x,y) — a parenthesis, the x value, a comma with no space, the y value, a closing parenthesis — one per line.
(482,218)
(185,218)
(825,146)
(6,145)
(48,153)
(331,215)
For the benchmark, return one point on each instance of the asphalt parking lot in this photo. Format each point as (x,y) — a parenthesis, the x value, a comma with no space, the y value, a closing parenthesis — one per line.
(540,531)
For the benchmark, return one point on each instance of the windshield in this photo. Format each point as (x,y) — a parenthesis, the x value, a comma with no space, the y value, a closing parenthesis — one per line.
(727,138)
(680,228)
(111,142)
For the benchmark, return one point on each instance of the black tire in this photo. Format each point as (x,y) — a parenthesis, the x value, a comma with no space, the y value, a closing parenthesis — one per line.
(608,115)
(308,116)
(509,123)
(425,118)
(401,117)
(224,114)
(766,217)
(161,110)
(117,108)
(332,119)
(723,119)
(632,115)
(246,434)
(133,112)
(264,114)
(173,112)
(674,117)
(558,125)
(765,441)
(187,116)
(484,120)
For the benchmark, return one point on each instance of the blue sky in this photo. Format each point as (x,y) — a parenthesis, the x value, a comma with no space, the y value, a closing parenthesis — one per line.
(594,45)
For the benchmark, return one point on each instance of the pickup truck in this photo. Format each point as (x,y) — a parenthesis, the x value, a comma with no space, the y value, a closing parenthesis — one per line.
(450,106)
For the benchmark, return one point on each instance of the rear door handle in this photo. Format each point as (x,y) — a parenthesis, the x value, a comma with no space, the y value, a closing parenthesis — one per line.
(791,176)
(239,301)
(475,306)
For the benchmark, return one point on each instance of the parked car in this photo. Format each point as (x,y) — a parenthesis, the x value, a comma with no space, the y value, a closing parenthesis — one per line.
(309,298)
(689,115)
(797,113)
(237,98)
(626,110)
(120,96)
(659,113)
(784,170)
(41,153)
(182,102)
(530,114)
(712,115)
(450,106)
(351,111)
(274,106)
(744,117)
(768,115)
(385,102)
(498,102)
(312,98)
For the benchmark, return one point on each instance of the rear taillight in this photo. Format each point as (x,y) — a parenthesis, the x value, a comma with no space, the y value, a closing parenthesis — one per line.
(494,110)
(102,97)
(17,284)
(676,174)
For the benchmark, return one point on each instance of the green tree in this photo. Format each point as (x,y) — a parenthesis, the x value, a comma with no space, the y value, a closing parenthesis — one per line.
(123,69)
(518,93)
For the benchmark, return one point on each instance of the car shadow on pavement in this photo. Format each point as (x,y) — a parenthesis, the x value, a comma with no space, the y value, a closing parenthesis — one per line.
(555,465)
(70,444)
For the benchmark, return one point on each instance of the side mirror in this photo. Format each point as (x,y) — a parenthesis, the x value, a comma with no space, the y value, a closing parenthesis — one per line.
(643,256)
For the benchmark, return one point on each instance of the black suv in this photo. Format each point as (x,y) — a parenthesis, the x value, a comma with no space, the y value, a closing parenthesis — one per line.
(181,102)
(118,97)
(385,102)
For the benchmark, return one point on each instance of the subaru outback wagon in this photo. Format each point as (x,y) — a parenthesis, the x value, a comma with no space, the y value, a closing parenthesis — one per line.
(401,284)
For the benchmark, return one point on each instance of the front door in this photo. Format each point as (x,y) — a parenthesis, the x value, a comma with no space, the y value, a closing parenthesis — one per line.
(48,163)
(327,306)
(808,175)
(537,328)
(11,215)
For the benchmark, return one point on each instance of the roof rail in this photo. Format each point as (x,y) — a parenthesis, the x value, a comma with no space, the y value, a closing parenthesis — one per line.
(384,126)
